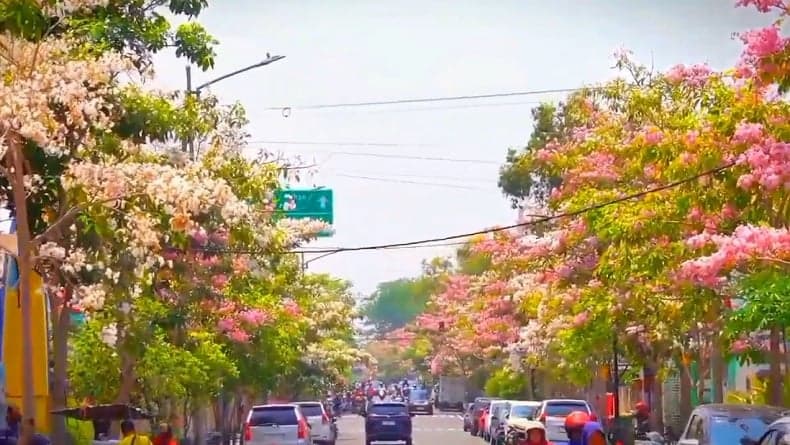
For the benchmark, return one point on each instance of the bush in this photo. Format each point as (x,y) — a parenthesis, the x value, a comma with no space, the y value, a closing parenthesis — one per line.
(506,383)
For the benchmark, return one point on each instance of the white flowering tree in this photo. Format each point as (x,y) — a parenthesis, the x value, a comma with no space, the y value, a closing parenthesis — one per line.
(148,245)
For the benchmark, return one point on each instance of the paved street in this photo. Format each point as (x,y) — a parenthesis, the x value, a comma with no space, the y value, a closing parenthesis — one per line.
(439,429)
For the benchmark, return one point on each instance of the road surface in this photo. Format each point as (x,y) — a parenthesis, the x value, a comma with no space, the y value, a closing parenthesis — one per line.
(443,428)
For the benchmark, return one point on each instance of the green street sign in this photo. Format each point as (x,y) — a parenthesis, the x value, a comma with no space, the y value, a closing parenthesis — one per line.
(304,204)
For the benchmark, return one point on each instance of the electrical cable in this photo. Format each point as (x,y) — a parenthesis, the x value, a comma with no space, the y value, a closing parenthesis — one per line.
(405,181)
(408,244)
(285,109)
(385,175)
(416,158)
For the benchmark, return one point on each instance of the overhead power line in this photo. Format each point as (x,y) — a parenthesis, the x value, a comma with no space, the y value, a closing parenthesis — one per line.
(339,143)
(416,158)
(285,109)
(405,181)
(536,221)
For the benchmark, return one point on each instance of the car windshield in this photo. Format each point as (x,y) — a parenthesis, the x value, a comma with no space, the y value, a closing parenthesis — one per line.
(273,415)
(726,430)
(419,395)
(523,411)
(389,409)
(562,409)
(312,409)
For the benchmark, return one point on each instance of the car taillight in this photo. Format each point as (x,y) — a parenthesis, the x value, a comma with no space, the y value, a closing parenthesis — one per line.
(303,430)
(324,419)
(593,417)
(247,432)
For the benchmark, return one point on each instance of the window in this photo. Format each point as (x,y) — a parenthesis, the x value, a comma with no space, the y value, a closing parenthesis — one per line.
(312,409)
(273,415)
(389,409)
(694,430)
(564,408)
(419,395)
(523,412)
(733,430)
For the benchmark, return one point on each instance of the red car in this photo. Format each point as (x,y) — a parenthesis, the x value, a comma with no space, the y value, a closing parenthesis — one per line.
(481,421)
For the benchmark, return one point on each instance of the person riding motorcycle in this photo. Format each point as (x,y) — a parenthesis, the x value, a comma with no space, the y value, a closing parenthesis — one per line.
(535,434)
(641,419)
(582,430)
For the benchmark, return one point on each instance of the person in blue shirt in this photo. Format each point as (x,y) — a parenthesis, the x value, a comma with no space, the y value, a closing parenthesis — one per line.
(582,430)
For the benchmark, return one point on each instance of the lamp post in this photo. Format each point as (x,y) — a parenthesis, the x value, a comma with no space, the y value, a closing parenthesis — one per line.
(189,145)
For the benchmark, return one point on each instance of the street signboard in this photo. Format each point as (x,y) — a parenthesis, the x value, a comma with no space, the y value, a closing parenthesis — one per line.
(303,204)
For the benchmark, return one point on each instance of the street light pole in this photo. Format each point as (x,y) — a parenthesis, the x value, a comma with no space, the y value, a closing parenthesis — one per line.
(189,145)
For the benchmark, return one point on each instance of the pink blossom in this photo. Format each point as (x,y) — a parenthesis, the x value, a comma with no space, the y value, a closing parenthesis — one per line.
(748,133)
(227,324)
(691,137)
(199,236)
(652,135)
(220,237)
(239,336)
(254,317)
(761,5)
(206,260)
(693,76)
(291,307)
(763,42)
(739,346)
(581,319)
(219,281)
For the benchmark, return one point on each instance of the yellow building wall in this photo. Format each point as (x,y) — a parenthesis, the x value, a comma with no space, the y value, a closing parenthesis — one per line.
(12,351)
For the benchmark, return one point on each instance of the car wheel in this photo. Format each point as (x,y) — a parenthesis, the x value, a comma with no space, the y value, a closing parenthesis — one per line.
(407,441)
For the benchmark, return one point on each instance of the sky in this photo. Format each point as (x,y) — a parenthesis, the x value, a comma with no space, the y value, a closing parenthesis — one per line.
(359,51)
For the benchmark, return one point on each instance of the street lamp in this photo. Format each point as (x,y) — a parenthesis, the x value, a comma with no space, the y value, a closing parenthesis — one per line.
(190,144)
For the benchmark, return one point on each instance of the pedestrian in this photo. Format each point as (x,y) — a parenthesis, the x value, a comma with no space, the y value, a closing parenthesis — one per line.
(130,436)
(641,418)
(165,436)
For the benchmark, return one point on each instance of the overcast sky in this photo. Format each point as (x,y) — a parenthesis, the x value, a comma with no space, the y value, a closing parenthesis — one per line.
(359,51)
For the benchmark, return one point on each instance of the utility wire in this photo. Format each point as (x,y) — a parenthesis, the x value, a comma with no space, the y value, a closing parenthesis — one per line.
(416,158)
(536,221)
(338,144)
(423,100)
(385,175)
(405,181)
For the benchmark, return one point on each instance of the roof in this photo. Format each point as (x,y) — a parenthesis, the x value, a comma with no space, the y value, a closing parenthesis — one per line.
(307,402)
(783,421)
(525,425)
(390,402)
(525,403)
(577,401)
(741,409)
(275,405)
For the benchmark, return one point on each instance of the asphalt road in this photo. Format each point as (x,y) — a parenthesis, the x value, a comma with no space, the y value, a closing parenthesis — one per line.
(442,428)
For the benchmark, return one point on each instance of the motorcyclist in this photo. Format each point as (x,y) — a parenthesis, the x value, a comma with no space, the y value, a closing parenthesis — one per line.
(581,430)
(535,434)
(641,419)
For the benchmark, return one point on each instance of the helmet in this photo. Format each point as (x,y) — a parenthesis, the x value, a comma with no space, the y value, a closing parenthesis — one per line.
(641,407)
(576,420)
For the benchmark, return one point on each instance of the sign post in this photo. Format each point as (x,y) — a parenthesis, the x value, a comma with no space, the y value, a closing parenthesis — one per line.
(315,204)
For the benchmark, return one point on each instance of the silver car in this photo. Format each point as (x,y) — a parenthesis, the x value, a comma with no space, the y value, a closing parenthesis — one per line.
(322,427)
(277,424)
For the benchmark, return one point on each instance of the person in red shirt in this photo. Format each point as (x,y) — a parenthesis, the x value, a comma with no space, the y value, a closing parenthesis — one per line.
(165,436)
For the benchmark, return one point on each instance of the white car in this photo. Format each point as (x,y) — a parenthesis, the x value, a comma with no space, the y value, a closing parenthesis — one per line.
(552,414)
(497,406)
(518,412)
(280,424)
(322,427)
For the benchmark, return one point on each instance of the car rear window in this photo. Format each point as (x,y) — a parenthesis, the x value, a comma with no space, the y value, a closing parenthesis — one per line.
(419,395)
(562,409)
(523,411)
(311,409)
(733,430)
(273,415)
(389,409)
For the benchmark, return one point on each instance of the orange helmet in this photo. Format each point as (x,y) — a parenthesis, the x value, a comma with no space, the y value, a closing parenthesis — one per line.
(576,420)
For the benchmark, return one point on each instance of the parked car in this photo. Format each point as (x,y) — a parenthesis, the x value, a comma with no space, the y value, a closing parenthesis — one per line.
(729,424)
(552,414)
(419,402)
(496,414)
(519,411)
(778,433)
(283,424)
(468,412)
(388,422)
(323,430)
(480,404)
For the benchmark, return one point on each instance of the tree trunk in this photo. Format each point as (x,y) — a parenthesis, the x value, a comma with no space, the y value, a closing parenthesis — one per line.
(717,370)
(685,391)
(199,424)
(60,338)
(775,368)
(657,407)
